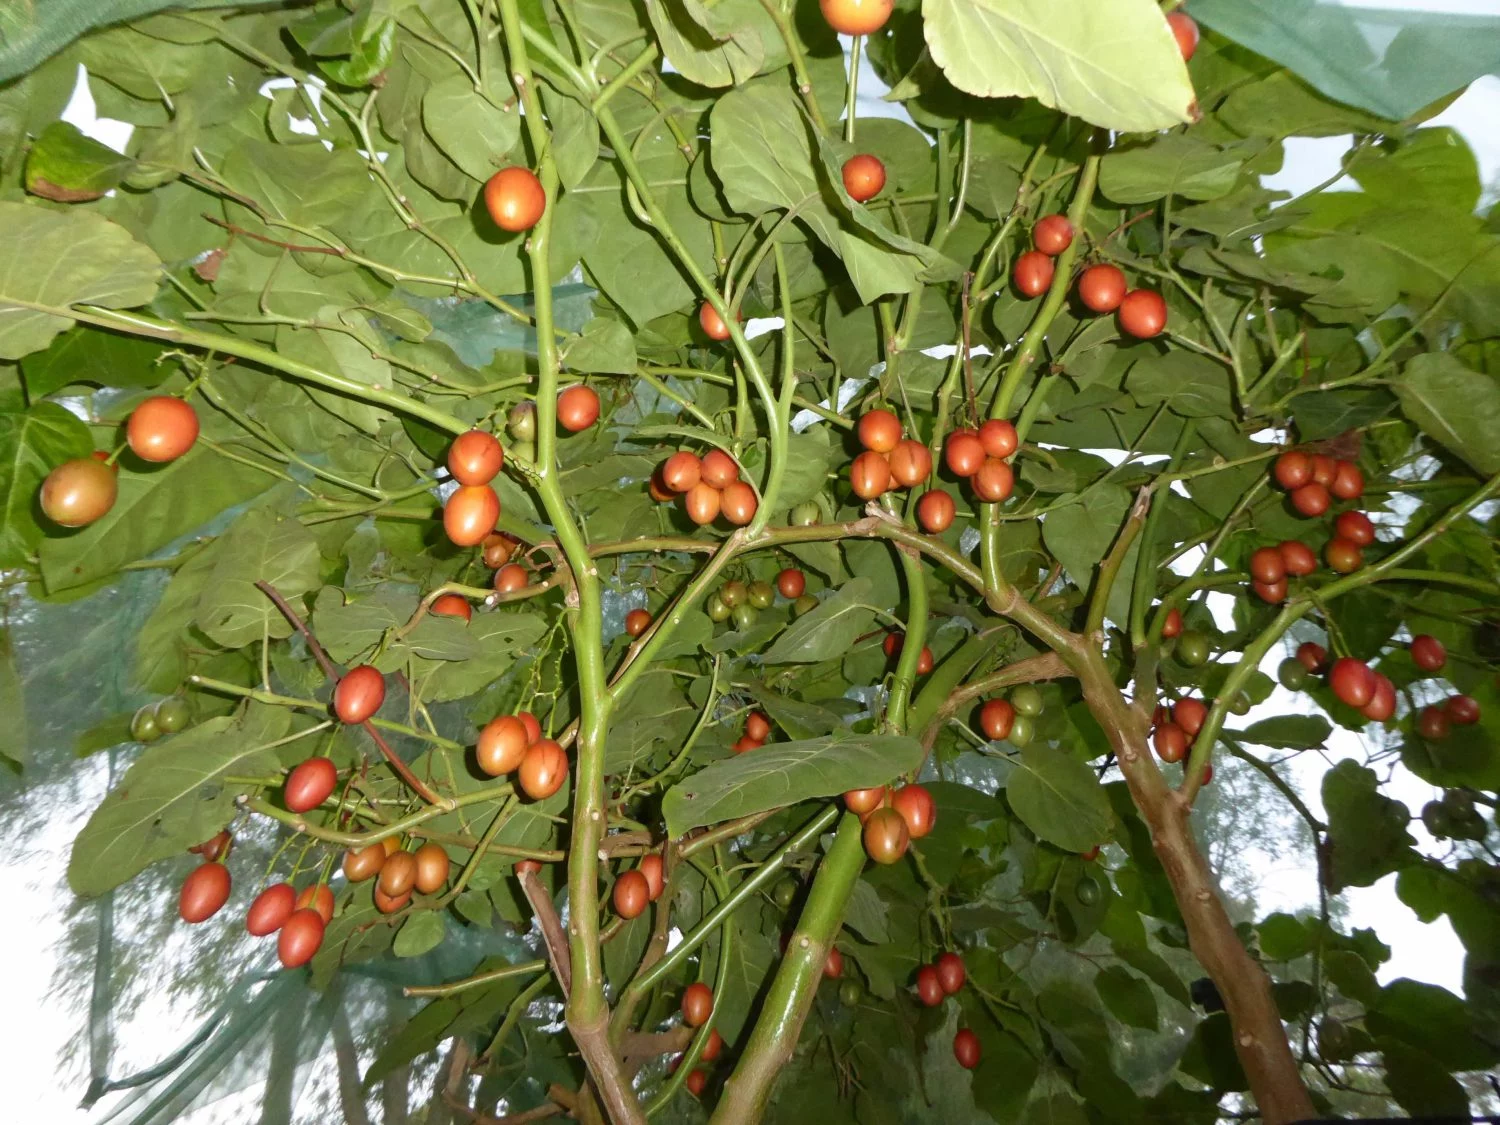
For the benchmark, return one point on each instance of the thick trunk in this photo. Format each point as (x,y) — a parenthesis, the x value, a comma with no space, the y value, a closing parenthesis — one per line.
(1259,1036)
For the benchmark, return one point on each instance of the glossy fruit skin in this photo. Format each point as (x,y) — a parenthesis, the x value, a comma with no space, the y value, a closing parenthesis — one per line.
(911,463)
(497,548)
(161,428)
(1297,558)
(364,863)
(1348,482)
(317,896)
(1101,288)
(1185,31)
(172,714)
(863,176)
(1193,649)
(470,513)
(963,454)
(637,621)
(701,503)
(737,503)
(657,490)
(1022,731)
(998,437)
(655,875)
(204,892)
(389,904)
(886,836)
(1355,527)
(1324,469)
(1273,593)
(520,423)
(577,408)
(1291,674)
(833,964)
(1352,681)
(791,583)
(994,481)
(1087,890)
(528,867)
(718,469)
(514,198)
(543,770)
(869,475)
(712,323)
(1189,714)
(929,987)
(966,1048)
(1462,710)
(309,784)
(713,1048)
(432,868)
(1382,704)
(1266,565)
(1052,234)
(862,802)
(716,609)
(1173,623)
(916,807)
(696,1081)
(1428,653)
(935,511)
(757,726)
(1343,556)
(950,972)
(1143,314)
(924,661)
(631,894)
(681,471)
(784,893)
(359,694)
(76,493)
(398,875)
(734,592)
(996,718)
(1433,724)
(451,605)
(697,1004)
(301,935)
(746,743)
(271,908)
(475,458)
(1292,470)
(805,604)
(1027,700)
(143,724)
(215,847)
(1170,742)
(1313,656)
(856,17)
(511,577)
(1032,274)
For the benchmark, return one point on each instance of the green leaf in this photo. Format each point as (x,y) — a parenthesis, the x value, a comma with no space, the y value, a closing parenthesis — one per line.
(1171,164)
(1454,405)
(866,914)
(258,547)
(472,129)
(830,630)
(1191,385)
(173,797)
(153,509)
(32,443)
(90,260)
(161,645)
(605,345)
(87,355)
(783,773)
(1432,1019)
(68,167)
(1129,998)
(12,703)
(422,931)
(1367,838)
(1420,1082)
(1289,732)
(1059,798)
(1080,534)
(712,46)
(1117,66)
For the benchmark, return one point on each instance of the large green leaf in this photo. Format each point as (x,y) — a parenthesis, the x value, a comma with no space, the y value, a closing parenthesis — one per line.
(471,128)
(89,261)
(173,797)
(153,509)
(1289,732)
(1172,164)
(12,702)
(88,355)
(1114,65)
(783,773)
(66,166)
(259,547)
(1454,404)
(1367,835)
(1058,796)
(32,443)
(830,630)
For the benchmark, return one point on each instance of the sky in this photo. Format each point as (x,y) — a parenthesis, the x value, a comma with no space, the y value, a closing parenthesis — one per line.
(35,928)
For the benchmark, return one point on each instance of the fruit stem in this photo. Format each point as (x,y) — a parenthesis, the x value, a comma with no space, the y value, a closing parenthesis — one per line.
(915,637)
(477,980)
(1145,562)
(1109,569)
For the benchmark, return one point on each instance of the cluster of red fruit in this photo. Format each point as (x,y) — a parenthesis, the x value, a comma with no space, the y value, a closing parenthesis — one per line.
(400,872)
(890,460)
(1101,288)
(1011,719)
(697,1008)
(757,730)
(893,643)
(497,551)
(1175,727)
(514,743)
(78,492)
(710,487)
(639,886)
(892,818)
(1372,693)
(944,977)
(980,457)
(1313,480)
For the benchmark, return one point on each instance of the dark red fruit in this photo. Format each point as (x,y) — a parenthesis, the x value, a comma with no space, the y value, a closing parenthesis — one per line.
(864,801)
(718,469)
(475,457)
(1311,500)
(1292,470)
(79,492)
(1297,558)
(998,437)
(886,836)
(271,908)
(1433,724)
(301,935)
(1382,704)
(1352,681)
(655,873)
(696,1081)
(310,784)
(833,964)
(792,583)
(1273,593)
(543,769)
(1143,313)
(996,718)
(916,807)
(864,176)
(994,481)
(870,474)
(316,896)
(697,1004)
(1324,469)
(1462,710)
(1033,273)
(910,463)
(631,894)
(204,892)
(451,605)
(1355,527)
(757,726)
(966,1048)
(1171,742)
(1052,234)
(1314,657)
(1173,623)
(1428,653)
(1267,565)
(929,987)
(963,453)
(514,198)
(1189,714)
(359,694)
(1185,31)
(470,514)
(637,621)
(681,471)
(502,745)
(950,972)
(1343,556)
(1348,482)
(162,428)
(577,408)
(1101,288)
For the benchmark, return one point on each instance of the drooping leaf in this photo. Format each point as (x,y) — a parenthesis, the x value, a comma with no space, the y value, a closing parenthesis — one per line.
(259,547)
(1457,406)
(829,630)
(1058,796)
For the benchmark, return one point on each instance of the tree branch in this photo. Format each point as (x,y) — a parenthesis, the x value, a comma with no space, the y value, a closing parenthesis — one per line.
(552,931)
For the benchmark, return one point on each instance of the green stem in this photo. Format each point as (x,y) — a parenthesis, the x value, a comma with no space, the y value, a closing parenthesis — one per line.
(1145,563)
(1109,569)
(853,92)
(478,980)
(912,642)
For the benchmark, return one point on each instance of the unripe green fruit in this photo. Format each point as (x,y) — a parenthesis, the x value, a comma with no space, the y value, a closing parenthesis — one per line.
(172,714)
(1292,674)
(1192,649)
(1021,730)
(733,592)
(144,727)
(784,893)
(745,616)
(761,594)
(1240,704)
(521,421)
(1027,700)
(805,515)
(1087,891)
(851,992)
(805,604)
